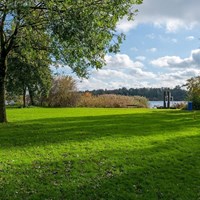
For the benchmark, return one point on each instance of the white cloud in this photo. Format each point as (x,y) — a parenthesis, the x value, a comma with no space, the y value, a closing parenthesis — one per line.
(125,26)
(141,58)
(120,71)
(195,57)
(111,79)
(176,62)
(171,79)
(106,74)
(190,38)
(152,50)
(122,61)
(167,61)
(173,15)
(173,25)
(120,65)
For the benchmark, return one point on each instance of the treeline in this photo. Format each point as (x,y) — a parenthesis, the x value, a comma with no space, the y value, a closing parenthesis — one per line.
(62,92)
(153,94)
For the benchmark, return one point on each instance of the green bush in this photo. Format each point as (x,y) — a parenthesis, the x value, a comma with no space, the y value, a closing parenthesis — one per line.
(193,86)
(195,102)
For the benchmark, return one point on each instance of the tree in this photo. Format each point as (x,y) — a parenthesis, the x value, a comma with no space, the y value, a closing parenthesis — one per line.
(178,93)
(63,92)
(28,72)
(193,86)
(34,78)
(76,32)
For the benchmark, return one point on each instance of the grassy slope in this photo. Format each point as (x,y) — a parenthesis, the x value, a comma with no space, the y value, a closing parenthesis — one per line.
(100,154)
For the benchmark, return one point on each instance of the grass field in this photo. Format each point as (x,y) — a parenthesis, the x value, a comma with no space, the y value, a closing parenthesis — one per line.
(95,154)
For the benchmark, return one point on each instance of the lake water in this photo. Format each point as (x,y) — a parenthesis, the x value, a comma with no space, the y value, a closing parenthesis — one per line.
(154,104)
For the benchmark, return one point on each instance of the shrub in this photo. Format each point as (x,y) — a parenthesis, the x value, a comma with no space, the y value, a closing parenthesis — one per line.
(112,101)
(193,86)
(181,105)
(63,92)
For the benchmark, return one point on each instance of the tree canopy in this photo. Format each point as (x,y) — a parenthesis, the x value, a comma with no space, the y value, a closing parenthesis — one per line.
(193,86)
(25,74)
(78,33)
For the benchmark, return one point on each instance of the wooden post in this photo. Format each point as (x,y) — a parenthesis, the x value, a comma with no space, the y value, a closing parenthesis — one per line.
(164,100)
(168,98)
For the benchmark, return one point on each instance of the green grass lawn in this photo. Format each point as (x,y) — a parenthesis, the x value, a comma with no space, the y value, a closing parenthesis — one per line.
(106,154)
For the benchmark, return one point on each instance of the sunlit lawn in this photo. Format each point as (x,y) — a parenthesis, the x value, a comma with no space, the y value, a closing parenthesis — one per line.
(96,154)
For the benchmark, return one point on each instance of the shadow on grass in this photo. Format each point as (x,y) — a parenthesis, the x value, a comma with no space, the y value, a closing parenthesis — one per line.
(164,171)
(67,129)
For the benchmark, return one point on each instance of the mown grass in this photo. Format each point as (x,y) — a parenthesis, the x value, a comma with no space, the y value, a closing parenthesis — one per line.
(100,154)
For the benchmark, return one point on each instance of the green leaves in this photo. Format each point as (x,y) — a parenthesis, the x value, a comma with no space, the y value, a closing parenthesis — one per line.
(78,33)
(28,69)
(193,86)
(87,32)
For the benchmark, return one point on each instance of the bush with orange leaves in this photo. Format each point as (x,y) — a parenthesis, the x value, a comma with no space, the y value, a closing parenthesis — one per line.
(112,101)
(63,92)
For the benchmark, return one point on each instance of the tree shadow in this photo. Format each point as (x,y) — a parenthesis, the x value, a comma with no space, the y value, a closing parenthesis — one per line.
(69,129)
(163,171)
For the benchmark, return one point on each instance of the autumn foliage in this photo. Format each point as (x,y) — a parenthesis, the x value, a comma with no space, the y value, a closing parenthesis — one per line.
(112,101)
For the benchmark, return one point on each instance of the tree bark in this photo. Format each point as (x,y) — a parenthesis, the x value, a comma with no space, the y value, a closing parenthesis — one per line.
(31,96)
(24,97)
(3,67)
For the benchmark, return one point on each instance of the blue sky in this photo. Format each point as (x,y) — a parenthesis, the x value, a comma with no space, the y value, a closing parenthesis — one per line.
(161,48)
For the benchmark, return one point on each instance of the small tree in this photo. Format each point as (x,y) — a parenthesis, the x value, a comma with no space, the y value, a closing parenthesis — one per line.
(28,75)
(63,92)
(193,86)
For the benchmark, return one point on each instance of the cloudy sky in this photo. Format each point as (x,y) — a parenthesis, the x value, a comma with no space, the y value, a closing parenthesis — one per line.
(162,48)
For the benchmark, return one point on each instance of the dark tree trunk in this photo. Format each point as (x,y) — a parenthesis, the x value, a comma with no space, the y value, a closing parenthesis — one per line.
(5,48)
(31,96)
(24,97)
(3,67)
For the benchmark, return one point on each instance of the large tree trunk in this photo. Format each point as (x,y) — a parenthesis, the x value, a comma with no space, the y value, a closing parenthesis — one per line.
(31,95)
(24,97)
(3,67)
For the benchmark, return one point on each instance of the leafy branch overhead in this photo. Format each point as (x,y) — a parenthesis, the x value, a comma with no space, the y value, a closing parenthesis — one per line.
(78,33)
